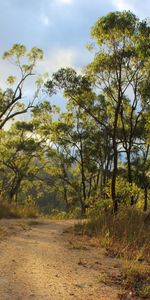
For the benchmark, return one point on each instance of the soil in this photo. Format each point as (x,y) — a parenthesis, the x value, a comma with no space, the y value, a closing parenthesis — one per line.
(41,260)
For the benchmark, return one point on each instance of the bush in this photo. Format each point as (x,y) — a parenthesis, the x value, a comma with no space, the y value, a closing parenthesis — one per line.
(124,191)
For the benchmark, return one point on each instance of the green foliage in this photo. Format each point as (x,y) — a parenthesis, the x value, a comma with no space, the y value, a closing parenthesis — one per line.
(12,99)
(97,207)
(124,191)
(94,157)
(34,54)
(122,25)
(19,152)
(120,64)
(11,80)
(68,80)
(16,50)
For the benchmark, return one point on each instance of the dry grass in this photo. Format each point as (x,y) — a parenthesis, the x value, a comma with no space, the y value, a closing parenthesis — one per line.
(126,233)
(17,211)
(2,233)
(63,215)
(136,277)
(134,280)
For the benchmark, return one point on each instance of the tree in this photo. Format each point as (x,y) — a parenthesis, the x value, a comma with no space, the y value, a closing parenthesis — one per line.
(12,101)
(120,70)
(120,64)
(20,157)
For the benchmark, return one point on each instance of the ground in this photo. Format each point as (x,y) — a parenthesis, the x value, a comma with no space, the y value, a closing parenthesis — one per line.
(41,260)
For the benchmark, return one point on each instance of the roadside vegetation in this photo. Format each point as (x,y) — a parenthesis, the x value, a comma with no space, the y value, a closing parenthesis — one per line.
(14,210)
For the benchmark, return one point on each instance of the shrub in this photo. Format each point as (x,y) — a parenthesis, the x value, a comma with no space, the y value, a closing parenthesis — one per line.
(124,191)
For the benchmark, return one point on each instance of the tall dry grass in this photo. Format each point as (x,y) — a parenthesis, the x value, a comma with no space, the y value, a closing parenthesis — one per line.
(127,232)
(14,210)
(127,235)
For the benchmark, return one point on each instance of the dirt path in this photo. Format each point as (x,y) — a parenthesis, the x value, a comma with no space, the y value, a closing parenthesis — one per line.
(44,263)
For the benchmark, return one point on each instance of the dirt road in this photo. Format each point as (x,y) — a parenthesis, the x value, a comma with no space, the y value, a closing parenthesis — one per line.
(45,263)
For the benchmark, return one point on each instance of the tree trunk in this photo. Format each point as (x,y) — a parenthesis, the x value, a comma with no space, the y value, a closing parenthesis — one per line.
(83,207)
(145,198)
(113,183)
(101,183)
(14,189)
(130,173)
(115,161)
(65,190)
(90,188)
(65,195)
(82,173)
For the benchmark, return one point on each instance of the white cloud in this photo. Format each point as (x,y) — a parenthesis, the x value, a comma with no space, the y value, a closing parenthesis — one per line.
(123,5)
(136,6)
(64,1)
(58,58)
(45,20)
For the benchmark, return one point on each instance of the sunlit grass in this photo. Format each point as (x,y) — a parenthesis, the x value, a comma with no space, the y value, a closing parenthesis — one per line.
(126,232)
(136,276)
(17,211)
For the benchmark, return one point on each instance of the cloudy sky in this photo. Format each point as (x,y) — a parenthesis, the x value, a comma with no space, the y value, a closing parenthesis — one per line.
(60,27)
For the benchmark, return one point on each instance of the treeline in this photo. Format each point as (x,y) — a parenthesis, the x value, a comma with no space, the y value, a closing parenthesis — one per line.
(96,153)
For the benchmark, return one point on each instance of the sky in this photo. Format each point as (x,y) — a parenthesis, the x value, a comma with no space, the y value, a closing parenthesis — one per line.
(60,27)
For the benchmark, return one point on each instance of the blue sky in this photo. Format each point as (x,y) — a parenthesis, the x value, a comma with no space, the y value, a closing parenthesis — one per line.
(60,27)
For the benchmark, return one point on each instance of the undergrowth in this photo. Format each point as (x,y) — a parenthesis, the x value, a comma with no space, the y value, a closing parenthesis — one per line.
(64,215)
(126,235)
(136,277)
(17,210)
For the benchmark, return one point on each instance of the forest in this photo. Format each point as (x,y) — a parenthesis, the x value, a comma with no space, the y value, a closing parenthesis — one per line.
(91,160)
(97,151)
